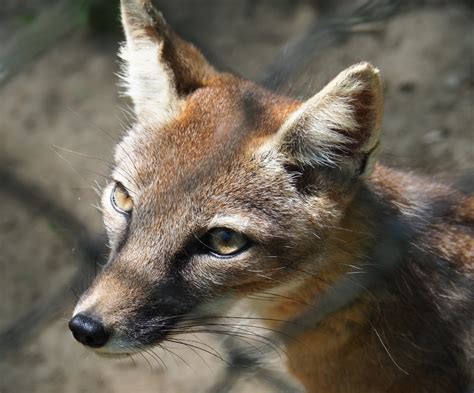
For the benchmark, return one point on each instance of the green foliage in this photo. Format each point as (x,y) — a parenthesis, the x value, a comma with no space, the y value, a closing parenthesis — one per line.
(24,19)
(99,15)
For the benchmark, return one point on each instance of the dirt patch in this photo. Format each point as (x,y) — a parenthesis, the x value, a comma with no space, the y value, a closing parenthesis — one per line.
(69,99)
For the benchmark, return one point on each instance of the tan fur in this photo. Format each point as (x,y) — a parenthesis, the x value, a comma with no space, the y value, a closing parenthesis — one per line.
(212,150)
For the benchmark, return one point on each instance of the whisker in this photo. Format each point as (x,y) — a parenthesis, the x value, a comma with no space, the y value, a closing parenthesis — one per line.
(388,352)
(241,336)
(116,141)
(239,332)
(132,359)
(178,356)
(194,351)
(156,357)
(71,166)
(192,346)
(245,326)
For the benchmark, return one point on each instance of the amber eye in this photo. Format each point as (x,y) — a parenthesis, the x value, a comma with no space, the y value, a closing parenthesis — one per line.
(121,199)
(225,242)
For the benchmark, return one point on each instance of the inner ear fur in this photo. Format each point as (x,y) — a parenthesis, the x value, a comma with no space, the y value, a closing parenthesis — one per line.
(339,127)
(160,67)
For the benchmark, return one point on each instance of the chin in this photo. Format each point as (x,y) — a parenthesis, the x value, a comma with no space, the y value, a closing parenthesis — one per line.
(114,355)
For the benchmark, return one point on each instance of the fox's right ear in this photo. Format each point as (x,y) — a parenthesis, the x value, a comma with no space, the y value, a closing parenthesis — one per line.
(160,67)
(338,127)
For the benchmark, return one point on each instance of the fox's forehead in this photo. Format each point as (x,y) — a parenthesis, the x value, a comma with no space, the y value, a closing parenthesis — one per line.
(213,128)
(202,164)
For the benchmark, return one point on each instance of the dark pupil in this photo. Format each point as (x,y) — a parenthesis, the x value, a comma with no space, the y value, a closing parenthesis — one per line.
(225,235)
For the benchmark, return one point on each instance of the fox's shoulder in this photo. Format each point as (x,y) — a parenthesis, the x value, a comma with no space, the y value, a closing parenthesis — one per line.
(453,236)
(441,215)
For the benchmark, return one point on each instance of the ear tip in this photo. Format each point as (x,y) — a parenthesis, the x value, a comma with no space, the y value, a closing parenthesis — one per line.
(142,11)
(136,4)
(365,70)
(364,75)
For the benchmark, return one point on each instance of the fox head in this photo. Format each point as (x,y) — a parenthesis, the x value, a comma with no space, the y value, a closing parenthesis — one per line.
(221,188)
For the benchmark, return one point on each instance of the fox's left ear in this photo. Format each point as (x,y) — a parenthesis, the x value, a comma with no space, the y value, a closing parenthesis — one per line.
(339,126)
(160,67)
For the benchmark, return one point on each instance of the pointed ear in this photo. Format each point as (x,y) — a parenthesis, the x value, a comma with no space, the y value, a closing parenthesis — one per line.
(339,126)
(160,68)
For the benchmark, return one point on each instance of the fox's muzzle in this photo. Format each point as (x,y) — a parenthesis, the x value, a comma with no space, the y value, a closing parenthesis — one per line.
(123,311)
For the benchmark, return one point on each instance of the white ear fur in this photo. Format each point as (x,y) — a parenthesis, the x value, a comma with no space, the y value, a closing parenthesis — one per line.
(146,77)
(339,126)
(159,67)
(148,82)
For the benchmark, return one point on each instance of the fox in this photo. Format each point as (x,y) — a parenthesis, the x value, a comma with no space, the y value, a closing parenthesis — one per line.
(223,189)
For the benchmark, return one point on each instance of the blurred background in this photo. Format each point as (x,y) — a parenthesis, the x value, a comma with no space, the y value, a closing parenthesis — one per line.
(61,115)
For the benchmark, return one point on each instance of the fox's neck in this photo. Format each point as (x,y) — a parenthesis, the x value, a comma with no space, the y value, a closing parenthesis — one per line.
(337,300)
(361,248)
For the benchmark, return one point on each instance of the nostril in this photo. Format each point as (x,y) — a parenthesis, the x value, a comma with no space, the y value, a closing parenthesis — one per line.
(88,331)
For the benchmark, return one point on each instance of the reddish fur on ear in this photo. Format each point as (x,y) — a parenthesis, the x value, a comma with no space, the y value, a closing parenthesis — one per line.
(339,126)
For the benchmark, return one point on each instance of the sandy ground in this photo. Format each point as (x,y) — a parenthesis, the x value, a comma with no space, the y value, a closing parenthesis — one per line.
(68,100)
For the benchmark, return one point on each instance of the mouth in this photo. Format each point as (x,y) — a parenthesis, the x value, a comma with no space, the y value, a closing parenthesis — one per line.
(119,348)
(113,355)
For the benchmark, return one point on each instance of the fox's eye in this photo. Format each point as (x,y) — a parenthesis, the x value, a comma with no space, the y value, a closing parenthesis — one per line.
(225,242)
(121,199)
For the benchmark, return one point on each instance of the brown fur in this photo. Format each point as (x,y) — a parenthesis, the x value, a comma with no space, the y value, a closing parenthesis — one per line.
(297,179)
(377,344)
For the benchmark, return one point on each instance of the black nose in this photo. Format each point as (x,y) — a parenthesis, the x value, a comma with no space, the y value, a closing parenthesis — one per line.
(88,331)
